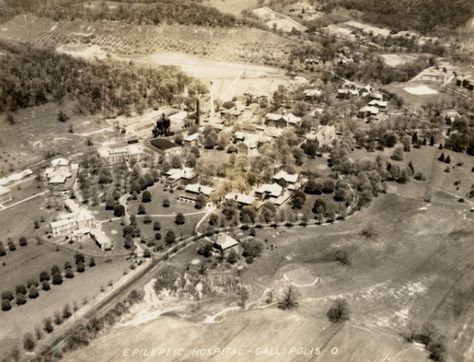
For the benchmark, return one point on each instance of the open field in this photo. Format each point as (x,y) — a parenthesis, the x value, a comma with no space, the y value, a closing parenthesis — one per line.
(37,134)
(233,7)
(229,78)
(403,275)
(18,221)
(395,60)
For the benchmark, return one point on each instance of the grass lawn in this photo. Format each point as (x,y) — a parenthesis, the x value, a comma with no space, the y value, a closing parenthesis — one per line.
(155,207)
(84,286)
(18,221)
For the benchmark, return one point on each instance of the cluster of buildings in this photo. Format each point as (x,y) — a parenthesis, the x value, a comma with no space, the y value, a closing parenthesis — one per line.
(61,175)
(77,223)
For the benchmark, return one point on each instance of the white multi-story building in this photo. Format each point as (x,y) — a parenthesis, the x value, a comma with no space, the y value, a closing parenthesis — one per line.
(126,153)
(5,195)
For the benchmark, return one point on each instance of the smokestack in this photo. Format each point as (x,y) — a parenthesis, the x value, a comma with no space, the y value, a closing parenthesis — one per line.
(212,99)
(198,112)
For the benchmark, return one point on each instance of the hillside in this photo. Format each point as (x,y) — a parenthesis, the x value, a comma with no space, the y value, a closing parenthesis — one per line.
(424,16)
(241,44)
(143,12)
(30,77)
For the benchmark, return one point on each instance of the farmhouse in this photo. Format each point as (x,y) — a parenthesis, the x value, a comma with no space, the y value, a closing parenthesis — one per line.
(5,195)
(192,191)
(312,94)
(225,243)
(273,193)
(78,221)
(241,199)
(378,103)
(368,111)
(277,120)
(121,154)
(61,174)
(287,180)
(179,176)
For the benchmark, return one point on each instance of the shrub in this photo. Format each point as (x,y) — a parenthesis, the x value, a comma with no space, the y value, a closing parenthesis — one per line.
(339,311)
(28,342)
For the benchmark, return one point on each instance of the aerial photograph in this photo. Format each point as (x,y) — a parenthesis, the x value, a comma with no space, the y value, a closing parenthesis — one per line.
(237,180)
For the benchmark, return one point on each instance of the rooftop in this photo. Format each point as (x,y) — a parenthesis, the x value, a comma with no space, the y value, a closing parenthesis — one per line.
(283,175)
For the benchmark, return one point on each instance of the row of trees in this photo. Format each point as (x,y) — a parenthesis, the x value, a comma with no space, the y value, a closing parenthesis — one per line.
(11,245)
(31,288)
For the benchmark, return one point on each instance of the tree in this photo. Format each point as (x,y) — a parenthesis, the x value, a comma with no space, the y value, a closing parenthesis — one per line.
(289,299)
(201,201)
(48,325)
(170,238)
(129,243)
(119,210)
(441,157)
(28,342)
(156,226)
(67,311)
(298,199)
(7,295)
(80,267)
(6,305)
(62,117)
(20,299)
(232,256)
(23,241)
(328,186)
(141,210)
(314,187)
(33,292)
(339,311)
(2,249)
(44,275)
(57,279)
(55,270)
(92,262)
(180,219)
(45,285)
(69,274)
(146,196)
(166,202)
(447,159)
(398,154)
(21,289)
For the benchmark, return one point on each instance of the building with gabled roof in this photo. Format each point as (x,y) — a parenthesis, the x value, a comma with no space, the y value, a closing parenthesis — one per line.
(179,176)
(241,199)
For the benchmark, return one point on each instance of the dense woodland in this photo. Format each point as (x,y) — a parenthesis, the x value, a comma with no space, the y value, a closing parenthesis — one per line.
(421,15)
(187,12)
(30,77)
